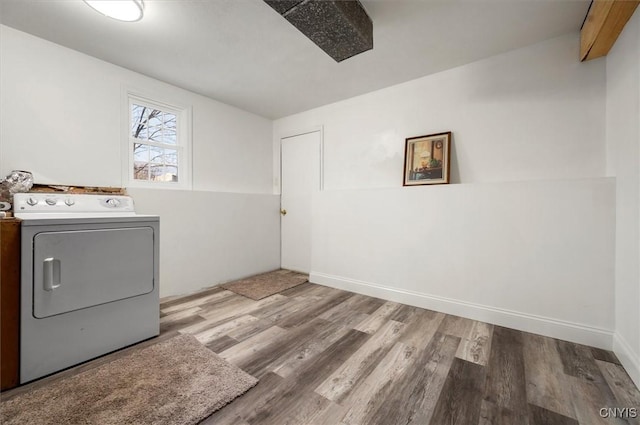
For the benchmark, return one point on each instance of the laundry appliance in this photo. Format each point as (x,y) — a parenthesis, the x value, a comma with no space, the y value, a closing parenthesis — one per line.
(89,278)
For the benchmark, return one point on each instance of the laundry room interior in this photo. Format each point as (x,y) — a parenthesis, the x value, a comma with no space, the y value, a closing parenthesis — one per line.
(241,146)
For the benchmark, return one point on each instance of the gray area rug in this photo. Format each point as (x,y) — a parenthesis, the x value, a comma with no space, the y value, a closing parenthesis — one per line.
(178,381)
(266,284)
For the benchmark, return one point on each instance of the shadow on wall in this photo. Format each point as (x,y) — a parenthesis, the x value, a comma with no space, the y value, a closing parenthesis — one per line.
(547,69)
(454,170)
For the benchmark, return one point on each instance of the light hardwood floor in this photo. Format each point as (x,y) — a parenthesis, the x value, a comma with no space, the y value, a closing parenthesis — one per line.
(325,356)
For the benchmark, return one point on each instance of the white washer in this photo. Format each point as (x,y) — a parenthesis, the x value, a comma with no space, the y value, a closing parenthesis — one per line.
(89,279)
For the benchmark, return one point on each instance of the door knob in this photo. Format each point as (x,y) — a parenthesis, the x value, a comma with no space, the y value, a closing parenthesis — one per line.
(283,211)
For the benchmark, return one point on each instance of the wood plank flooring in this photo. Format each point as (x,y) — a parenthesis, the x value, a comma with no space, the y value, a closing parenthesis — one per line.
(325,356)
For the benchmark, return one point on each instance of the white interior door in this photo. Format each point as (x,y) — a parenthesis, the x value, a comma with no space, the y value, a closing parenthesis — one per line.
(300,177)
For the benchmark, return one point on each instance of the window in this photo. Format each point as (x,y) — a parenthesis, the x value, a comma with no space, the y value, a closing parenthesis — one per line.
(158,144)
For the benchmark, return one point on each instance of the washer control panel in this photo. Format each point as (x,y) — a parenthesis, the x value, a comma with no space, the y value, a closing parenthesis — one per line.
(71,203)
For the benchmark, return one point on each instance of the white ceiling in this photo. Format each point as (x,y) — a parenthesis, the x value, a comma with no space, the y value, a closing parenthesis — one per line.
(243,53)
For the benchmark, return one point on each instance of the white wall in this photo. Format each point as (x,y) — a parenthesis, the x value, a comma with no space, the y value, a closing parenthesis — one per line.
(623,139)
(61,119)
(61,113)
(527,241)
(207,237)
(535,256)
(533,113)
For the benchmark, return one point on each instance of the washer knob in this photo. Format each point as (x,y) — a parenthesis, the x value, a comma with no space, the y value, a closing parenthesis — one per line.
(51,201)
(69,201)
(112,202)
(32,201)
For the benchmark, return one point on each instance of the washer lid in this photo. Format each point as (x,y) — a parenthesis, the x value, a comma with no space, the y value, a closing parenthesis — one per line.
(60,215)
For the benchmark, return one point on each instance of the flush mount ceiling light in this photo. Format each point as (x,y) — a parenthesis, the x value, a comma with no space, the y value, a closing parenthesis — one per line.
(122,10)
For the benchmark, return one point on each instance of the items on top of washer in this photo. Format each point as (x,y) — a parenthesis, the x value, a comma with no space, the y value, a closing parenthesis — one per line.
(90,190)
(17,181)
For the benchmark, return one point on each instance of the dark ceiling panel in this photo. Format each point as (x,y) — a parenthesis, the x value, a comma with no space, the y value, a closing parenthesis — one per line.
(283,6)
(341,28)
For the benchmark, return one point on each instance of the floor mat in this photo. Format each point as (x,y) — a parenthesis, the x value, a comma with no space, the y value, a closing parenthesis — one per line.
(266,284)
(178,381)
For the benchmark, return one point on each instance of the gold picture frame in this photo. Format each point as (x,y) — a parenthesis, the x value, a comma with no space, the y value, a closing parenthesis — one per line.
(427,159)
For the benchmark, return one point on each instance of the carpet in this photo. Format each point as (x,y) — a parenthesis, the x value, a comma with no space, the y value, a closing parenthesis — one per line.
(177,382)
(266,284)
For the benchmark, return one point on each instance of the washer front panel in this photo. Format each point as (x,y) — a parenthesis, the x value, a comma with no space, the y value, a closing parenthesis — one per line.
(100,312)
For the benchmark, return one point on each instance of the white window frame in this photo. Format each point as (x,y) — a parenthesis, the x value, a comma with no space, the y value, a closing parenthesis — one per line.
(182,146)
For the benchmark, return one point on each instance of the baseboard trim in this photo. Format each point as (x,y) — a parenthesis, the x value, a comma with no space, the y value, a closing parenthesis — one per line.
(569,331)
(629,359)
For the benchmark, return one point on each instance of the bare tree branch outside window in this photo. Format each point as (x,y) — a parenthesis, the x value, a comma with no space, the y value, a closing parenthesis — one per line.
(155,153)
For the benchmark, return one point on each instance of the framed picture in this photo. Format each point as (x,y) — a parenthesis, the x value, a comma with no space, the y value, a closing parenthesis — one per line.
(426,159)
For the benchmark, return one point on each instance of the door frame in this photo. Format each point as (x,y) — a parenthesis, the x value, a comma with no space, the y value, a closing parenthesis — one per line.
(289,134)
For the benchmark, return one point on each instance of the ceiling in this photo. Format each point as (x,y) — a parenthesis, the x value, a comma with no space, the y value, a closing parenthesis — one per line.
(243,53)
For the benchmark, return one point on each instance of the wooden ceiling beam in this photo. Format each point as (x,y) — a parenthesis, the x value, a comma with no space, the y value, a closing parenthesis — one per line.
(604,23)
